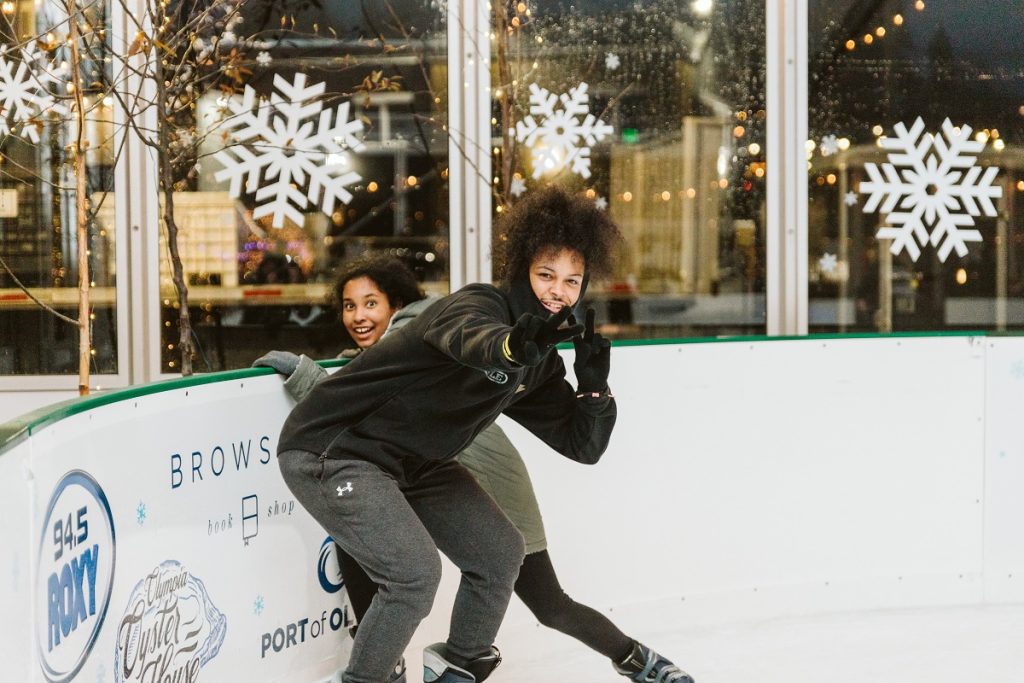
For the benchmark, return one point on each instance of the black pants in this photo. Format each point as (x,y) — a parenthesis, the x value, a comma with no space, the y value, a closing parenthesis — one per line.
(538,588)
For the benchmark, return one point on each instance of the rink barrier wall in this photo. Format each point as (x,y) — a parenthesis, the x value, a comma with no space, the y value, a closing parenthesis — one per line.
(745,479)
(151,536)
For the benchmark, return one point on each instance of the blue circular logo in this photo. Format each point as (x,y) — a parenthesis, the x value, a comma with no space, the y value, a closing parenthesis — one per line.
(74,574)
(328,568)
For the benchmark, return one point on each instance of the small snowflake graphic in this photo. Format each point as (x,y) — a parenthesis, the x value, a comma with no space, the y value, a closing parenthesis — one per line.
(829,145)
(1017,370)
(611,61)
(601,203)
(850,198)
(555,143)
(140,513)
(518,186)
(264,58)
(26,91)
(258,605)
(287,144)
(827,262)
(924,192)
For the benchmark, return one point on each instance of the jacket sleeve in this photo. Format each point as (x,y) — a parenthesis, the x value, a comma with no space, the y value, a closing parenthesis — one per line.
(470,329)
(578,428)
(305,377)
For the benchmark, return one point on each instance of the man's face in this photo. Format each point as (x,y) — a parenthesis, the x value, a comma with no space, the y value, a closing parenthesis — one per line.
(556,276)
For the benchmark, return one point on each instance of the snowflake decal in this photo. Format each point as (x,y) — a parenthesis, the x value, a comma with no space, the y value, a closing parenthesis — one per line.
(292,142)
(851,198)
(930,190)
(555,142)
(601,203)
(258,605)
(612,61)
(517,187)
(26,91)
(140,513)
(828,263)
(829,145)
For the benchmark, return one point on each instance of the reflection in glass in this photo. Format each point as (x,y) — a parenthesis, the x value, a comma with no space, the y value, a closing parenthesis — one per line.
(263,281)
(38,242)
(875,71)
(656,111)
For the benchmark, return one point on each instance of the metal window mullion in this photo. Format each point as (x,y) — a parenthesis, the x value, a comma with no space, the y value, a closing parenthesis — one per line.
(138,174)
(469,160)
(786,227)
(456,219)
(481,87)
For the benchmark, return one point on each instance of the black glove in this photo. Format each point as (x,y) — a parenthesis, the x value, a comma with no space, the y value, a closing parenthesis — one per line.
(593,359)
(284,362)
(532,336)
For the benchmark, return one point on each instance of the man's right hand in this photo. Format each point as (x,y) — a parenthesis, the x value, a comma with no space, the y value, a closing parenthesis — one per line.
(533,336)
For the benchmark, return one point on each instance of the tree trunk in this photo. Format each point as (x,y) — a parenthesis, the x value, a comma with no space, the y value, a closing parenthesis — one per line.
(167,189)
(82,206)
(506,100)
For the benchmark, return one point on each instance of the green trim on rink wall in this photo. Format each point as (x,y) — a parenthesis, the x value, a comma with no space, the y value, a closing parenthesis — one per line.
(20,428)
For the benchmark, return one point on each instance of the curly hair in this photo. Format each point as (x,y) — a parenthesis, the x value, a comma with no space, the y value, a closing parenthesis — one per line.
(390,274)
(551,218)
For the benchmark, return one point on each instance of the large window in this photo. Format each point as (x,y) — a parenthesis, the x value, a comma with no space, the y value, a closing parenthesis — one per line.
(332,144)
(914,158)
(39,243)
(656,110)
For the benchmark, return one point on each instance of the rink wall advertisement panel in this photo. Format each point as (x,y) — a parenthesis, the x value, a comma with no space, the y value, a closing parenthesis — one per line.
(149,530)
(162,542)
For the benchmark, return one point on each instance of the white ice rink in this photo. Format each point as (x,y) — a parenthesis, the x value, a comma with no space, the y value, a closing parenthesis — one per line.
(931,645)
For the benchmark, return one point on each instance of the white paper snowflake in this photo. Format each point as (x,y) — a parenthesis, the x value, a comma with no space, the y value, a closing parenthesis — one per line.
(264,58)
(850,198)
(26,91)
(601,203)
(555,142)
(287,144)
(829,145)
(924,195)
(827,262)
(517,187)
(611,61)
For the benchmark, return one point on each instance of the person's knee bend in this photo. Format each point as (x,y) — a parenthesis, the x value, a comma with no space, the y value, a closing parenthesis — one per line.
(554,613)
(417,584)
(511,550)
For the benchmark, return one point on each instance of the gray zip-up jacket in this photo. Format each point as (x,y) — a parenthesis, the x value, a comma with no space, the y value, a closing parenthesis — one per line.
(424,391)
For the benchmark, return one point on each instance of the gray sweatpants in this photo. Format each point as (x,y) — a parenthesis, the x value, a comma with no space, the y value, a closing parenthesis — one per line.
(394,533)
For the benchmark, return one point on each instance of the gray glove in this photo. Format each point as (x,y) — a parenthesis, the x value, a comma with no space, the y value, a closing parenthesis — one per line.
(284,362)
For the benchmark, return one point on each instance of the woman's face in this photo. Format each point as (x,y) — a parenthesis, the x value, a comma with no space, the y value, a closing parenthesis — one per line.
(556,277)
(365,311)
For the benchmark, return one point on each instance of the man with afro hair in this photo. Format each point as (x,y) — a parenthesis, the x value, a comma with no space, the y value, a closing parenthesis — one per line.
(370,452)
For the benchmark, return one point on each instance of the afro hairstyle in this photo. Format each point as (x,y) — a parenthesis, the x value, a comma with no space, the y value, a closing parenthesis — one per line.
(389,273)
(551,218)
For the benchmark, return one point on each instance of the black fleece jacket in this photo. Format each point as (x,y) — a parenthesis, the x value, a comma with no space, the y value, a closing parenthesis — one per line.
(422,393)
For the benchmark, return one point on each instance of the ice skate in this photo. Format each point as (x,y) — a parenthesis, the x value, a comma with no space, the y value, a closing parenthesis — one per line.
(437,669)
(644,665)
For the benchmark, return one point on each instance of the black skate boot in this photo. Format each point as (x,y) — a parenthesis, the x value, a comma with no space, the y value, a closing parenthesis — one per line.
(437,668)
(644,665)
